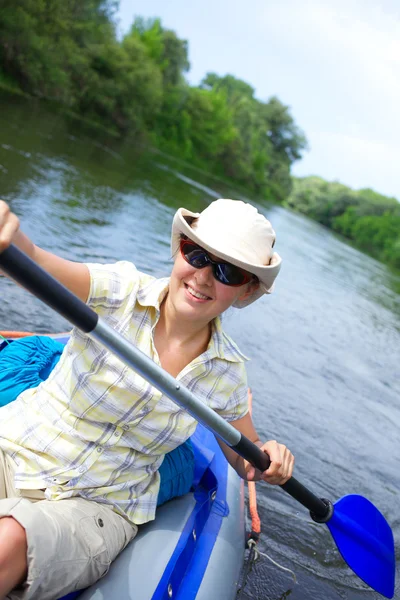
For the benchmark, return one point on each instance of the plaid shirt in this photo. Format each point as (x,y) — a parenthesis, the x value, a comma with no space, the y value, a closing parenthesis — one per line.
(98,430)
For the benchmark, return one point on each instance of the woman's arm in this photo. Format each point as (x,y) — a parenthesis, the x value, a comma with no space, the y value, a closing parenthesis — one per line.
(282,460)
(75,276)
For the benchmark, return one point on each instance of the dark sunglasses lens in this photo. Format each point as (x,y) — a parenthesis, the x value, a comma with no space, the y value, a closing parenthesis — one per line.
(198,258)
(194,255)
(229,274)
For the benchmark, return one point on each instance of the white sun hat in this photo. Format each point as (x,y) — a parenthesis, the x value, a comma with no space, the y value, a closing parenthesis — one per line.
(236,232)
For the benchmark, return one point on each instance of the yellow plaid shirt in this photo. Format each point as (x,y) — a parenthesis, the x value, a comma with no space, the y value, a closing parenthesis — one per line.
(98,430)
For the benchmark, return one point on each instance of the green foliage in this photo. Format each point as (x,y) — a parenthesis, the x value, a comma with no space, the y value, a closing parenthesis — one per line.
(267,140)
(68,51)
(43,40)
(369,219)
(164,48)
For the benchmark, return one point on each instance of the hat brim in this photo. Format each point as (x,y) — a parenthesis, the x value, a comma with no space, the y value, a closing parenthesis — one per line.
(266,274)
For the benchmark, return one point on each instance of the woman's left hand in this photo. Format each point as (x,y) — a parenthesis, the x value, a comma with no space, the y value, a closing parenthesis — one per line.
(280,469)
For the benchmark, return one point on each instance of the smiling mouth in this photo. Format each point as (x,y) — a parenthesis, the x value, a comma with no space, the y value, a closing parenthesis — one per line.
(196,294)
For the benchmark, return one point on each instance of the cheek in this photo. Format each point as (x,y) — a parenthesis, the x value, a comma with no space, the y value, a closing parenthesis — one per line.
(181,269)
(226,294)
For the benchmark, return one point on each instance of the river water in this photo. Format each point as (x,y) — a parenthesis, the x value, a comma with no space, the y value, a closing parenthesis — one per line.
(324,347)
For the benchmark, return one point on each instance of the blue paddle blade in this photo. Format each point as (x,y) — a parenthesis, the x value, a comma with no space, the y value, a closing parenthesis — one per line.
(365,541)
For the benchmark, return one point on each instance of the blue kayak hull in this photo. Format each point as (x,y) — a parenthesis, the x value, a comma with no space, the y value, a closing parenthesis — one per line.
(193,549)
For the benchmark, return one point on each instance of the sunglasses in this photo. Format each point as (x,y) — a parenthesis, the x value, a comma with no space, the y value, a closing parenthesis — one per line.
(223,272)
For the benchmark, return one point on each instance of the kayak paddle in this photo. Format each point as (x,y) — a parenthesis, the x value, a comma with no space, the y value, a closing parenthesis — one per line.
(361,532)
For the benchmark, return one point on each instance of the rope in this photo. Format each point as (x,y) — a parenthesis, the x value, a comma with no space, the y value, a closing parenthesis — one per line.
(253,537)
(255,519)
(258,552)
(253,557)
(247,567)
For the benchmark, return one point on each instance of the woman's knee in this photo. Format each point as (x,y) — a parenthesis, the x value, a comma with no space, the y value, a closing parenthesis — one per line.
(13,554)
(12,539)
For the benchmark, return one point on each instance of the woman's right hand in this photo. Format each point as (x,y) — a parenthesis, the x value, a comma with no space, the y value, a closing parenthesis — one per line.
(9,225)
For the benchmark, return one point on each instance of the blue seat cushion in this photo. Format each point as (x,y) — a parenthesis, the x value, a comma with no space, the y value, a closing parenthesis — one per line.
(26,362)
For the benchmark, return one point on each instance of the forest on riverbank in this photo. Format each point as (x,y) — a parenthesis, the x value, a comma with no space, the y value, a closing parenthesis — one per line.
(370,220)
(69,53)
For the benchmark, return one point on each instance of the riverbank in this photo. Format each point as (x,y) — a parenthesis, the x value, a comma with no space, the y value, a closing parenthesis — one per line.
(369,220)
(136,86)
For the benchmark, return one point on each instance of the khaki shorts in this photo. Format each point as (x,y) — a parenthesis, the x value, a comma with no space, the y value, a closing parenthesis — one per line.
(71,543)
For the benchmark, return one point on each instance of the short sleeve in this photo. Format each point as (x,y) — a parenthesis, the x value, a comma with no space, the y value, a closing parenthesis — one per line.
(111,286)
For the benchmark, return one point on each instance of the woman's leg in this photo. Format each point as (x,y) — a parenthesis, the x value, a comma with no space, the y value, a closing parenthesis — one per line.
(13,544)
(13,561)
(54,547)
(70,544)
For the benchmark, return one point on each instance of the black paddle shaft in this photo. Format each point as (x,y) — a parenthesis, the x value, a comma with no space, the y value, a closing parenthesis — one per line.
(32,277)
(320,508)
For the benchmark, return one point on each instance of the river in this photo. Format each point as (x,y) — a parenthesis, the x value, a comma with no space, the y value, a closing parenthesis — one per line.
(324,347)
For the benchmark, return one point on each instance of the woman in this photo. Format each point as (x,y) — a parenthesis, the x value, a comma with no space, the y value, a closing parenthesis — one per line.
(79,454)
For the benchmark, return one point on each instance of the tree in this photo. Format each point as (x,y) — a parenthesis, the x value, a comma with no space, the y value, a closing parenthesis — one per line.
(69,52)
(268,140)
(369,219)
(164,48)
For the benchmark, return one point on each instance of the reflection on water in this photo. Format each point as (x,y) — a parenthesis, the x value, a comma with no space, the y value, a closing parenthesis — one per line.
(324,347)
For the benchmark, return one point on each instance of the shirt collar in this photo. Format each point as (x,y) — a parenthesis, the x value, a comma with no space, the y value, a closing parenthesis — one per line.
(153,292)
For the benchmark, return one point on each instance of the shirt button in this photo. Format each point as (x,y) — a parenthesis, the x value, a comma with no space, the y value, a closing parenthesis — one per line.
(117,433)
(99,449)
(82,469)
(125,427)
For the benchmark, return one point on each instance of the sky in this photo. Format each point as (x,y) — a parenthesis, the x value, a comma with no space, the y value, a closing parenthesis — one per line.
(335,63)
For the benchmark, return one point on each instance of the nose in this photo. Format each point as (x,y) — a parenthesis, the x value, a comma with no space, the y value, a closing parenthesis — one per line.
(204,276)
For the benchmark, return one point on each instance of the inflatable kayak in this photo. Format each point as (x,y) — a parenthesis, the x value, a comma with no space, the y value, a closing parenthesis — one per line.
(195,547)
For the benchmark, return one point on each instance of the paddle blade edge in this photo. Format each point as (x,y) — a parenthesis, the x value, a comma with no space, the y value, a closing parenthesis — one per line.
(365,541)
